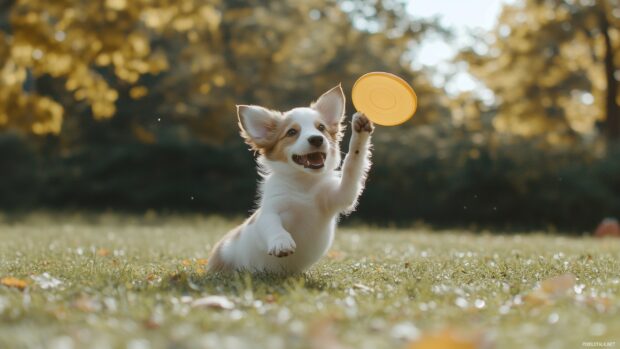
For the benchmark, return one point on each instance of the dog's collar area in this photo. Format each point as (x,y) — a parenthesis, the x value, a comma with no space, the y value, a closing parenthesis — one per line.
(313,161)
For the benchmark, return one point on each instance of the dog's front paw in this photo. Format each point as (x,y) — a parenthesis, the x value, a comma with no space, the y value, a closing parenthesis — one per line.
(281,246)
(361,123)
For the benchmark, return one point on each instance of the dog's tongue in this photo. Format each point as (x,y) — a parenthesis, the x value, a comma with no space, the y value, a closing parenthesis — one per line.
(315,159)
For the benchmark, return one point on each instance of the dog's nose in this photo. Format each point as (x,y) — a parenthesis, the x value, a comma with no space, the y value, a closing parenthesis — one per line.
(316,141)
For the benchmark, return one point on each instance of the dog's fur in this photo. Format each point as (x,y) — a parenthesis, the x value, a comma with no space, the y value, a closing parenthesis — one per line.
(299,202)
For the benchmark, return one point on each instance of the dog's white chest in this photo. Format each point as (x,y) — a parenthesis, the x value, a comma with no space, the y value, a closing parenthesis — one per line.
(312,230)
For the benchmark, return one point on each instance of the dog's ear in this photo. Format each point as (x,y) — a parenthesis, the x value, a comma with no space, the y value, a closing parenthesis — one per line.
(331,106)
(258,125)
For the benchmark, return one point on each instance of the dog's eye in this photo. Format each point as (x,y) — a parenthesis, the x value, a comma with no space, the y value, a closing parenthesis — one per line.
(321,127)
(291,132)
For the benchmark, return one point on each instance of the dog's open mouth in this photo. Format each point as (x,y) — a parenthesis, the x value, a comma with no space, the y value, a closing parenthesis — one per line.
(312,160)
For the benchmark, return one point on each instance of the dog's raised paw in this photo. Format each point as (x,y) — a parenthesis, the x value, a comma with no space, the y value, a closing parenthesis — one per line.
(282,246)
(361,123)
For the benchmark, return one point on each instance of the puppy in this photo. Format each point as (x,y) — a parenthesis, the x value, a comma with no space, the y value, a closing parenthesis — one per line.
(302,192)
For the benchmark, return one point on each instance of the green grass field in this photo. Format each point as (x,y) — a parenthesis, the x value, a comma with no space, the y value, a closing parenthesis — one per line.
(133,282)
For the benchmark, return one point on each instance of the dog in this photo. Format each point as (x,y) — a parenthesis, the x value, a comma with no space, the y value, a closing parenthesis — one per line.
(302,193)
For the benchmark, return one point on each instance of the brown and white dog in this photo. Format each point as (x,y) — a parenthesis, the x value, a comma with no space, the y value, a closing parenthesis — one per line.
(302,193)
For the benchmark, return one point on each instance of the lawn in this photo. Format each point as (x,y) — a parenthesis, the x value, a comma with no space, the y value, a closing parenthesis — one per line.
(137,282)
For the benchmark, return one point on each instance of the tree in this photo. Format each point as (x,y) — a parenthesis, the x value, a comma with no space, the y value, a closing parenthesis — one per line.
(190,62)
(552,66)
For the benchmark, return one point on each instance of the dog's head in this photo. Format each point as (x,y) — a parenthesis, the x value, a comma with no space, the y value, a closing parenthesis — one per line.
(304,139)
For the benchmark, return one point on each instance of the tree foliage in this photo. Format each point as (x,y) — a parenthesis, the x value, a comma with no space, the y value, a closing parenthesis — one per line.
(191,61)
(553,66)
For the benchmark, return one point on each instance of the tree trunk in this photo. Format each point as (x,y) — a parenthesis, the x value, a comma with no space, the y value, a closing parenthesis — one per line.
(611,125)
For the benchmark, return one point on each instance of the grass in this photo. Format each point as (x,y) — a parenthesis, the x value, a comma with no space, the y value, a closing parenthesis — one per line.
(129,282)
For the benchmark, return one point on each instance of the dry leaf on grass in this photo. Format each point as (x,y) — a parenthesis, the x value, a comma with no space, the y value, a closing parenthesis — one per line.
(334,254)
(12,282)
(323,336)
(550,290)
(215,302)
(600,304)
(451,339)
(103,252)
(86,304)
(558,285)
(202,261)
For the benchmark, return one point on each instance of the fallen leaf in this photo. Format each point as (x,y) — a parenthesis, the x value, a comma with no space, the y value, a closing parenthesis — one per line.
(333,254)
(362,288)
(151,324)
(186,262)
(536,298)
(601,304)
(86,304)
(450,339)
(202,261)
(103,252)
(558,285)
(215,302)
(14,282)
(323,336)
(550,290)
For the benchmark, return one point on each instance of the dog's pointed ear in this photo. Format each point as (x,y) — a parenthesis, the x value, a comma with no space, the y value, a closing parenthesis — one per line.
(331,105)
(257,124)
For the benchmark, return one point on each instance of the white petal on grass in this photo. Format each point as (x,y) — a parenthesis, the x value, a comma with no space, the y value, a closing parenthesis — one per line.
(63,342)
(461,302)
(362,287)
(138,344)
(215,302)
(598,329)
(553,318)
(479,303)
(405,331)
(46,281)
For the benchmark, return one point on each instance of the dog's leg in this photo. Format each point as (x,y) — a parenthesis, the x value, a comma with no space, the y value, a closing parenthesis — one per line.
(355,167)
(279,242)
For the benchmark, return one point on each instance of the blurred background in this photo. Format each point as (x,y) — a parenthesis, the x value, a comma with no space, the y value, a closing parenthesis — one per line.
(129,105)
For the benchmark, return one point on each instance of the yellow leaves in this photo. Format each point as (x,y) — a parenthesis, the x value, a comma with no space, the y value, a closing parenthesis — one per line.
(117,5)
(58,64)
(140,44)
(89,86)
(12,74)
(211,16)
(157,18)
(14,283)
(183,24)
(50,115)
(138,92)
(143,135)
(21,52)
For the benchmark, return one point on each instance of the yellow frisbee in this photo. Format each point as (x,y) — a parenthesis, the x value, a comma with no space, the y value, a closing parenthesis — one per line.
(384,98)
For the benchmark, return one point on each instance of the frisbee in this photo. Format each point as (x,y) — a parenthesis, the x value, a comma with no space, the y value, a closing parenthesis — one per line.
(384,98)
